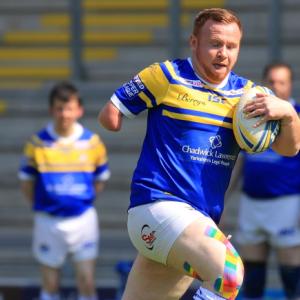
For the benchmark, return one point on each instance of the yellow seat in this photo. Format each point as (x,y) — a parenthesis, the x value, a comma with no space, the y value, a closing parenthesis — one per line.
(54,53)
(54,73)
(201,4)
(111,20)
(32,37)
(3,106)
(24,83)
(128,4)
(148,5)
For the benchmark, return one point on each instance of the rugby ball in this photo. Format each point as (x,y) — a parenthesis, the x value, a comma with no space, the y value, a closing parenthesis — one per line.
(249,138)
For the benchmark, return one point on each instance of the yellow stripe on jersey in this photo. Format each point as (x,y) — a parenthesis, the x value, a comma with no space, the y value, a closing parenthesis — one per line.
(189,98)
(155,81)
(248,85)
(44,168)
(170,68)
(146,99)
(69,154)
(203,101)
(196,119)
(81,155)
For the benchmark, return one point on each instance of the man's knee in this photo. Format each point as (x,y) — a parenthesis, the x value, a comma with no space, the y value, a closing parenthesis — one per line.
(229,283)
(86,284)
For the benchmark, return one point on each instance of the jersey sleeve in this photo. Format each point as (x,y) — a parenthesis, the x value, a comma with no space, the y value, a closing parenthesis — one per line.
(28,169)
(146,90)
(102,171)
(265,90)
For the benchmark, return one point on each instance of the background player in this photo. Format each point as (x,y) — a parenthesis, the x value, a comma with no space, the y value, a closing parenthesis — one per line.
(270,206)
(186,161)
(63,168)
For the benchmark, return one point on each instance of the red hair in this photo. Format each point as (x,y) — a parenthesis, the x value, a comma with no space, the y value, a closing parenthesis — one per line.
(220,15)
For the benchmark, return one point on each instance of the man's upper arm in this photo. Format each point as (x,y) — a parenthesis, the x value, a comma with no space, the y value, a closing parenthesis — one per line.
(110,117)
(27,188)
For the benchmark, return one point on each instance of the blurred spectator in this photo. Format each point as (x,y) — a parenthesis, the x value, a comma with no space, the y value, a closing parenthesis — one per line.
(63,168)
(270,205)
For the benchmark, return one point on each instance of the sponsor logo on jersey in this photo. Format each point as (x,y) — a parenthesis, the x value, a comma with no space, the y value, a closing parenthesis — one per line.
(215,141)
(189,99)
(196,83)
(210,155)
(133,87)
(148,236)
(137,80)
(67,186)
(216,99)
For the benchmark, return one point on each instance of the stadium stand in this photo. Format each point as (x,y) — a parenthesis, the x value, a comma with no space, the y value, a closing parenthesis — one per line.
(120,37)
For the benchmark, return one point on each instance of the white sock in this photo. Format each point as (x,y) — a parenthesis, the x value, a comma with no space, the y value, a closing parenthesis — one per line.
(94,297)
(204,294)
(47,296)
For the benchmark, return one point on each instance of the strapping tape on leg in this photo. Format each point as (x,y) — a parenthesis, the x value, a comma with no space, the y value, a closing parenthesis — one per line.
(226,285)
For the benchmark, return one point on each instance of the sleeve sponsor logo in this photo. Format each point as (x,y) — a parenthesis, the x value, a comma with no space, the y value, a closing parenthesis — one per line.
(216,99)
(133,87)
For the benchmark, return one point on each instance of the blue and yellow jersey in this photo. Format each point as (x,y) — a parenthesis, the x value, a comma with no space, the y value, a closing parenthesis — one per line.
(269,175)
(189,148)
(64,170)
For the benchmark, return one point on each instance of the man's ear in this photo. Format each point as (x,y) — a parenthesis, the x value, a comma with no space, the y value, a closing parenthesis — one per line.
(81,112)
(193,42)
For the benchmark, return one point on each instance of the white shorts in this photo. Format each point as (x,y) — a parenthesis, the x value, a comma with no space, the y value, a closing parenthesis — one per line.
(154,227)
(55,237)
(274,221)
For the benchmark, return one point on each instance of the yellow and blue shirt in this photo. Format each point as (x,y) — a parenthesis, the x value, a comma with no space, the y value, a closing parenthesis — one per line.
(189,149)
(64,170)
(268,175)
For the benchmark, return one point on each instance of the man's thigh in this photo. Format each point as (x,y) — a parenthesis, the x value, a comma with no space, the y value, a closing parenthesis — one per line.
(149,280)
(203,252)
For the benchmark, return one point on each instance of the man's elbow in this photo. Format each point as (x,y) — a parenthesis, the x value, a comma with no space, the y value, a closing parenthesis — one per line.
(109,123)
(287,151)
(292,152)
(295,150)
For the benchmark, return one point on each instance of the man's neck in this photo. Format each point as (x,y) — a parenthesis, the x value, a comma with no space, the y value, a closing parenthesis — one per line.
(64,132)
(198,74)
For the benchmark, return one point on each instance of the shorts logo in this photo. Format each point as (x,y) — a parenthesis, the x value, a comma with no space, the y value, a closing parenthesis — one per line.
(44,248)
(89,245)
(287,232)
(148,236)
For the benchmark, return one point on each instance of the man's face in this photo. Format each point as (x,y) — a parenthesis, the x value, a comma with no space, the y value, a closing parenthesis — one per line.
(215,50)
(65,114)
(279,80)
